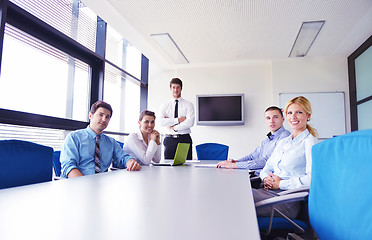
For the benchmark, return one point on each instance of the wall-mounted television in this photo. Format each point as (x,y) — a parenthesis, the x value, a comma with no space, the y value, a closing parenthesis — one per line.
(220,109)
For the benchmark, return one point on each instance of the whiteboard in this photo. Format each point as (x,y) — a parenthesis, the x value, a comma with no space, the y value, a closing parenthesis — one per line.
(328,116)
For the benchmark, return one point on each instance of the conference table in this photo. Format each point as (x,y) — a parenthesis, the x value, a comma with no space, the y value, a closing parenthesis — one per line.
(158,202)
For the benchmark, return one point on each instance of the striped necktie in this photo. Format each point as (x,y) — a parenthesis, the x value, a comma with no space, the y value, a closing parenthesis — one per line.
(97,156)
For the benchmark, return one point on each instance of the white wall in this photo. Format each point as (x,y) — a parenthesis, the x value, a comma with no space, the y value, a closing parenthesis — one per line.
(260,82)
(312,75)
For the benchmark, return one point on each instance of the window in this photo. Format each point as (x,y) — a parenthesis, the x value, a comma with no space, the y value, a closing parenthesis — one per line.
(122,82)
(124,97)
(51,74)
(121,53)
(49,137)
(363,73)
(50,82)
(71,17)
(365,115)
(360,86)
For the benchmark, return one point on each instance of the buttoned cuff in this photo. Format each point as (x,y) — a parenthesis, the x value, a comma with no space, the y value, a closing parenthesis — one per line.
(68,170)
(284,184)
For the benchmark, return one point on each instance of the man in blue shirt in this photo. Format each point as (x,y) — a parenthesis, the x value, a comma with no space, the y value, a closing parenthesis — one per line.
(257,159)
(78,155)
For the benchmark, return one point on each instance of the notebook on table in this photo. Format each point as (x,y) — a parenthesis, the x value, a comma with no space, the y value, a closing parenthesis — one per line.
(179,157)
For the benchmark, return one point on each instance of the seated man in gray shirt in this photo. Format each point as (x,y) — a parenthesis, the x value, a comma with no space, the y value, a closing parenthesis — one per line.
(257,159)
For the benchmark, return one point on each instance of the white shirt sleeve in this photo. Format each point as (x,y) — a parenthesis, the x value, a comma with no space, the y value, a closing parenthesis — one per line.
(272,161)
(304,180)
(142,153)
(190,118)
(291,161)
(165,118)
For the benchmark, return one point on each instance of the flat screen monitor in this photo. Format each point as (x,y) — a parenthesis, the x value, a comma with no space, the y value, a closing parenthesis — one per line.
(220,110)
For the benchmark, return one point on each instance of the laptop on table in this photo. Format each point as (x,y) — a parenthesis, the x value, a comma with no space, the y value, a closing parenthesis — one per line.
(179,157)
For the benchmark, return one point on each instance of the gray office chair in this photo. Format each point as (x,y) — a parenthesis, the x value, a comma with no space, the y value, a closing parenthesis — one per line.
(283,225)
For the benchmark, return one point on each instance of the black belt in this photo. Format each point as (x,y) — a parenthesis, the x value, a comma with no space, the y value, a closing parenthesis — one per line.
(176,135)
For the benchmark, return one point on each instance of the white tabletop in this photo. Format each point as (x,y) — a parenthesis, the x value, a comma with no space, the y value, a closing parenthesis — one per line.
(182,202)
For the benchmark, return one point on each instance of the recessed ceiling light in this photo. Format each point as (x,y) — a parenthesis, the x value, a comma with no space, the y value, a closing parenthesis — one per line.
(165,41)
(305,38)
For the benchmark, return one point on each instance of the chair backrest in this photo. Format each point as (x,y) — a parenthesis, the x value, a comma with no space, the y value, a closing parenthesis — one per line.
(57,163)
(23,163)
(340,194)
(212,151)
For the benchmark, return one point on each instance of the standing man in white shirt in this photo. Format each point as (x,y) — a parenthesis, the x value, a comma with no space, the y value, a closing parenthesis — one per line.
(178,116)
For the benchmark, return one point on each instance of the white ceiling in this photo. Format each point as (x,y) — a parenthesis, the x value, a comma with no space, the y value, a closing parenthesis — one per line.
(220,31)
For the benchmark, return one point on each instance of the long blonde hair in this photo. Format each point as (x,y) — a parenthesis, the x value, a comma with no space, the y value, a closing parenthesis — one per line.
(305,104)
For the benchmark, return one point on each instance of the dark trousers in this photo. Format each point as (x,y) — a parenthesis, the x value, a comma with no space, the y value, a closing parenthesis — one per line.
(170,145)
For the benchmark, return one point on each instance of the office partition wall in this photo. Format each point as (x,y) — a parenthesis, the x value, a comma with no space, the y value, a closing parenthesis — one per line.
(360,86)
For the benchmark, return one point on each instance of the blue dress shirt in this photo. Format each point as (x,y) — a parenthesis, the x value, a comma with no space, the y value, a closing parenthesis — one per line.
(257,159)
(291,161)
(78,152)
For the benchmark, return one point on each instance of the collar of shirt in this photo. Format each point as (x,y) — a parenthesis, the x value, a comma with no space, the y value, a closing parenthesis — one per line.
(300,137)
(276,133)
(91,132)
(140,137)
(179,100)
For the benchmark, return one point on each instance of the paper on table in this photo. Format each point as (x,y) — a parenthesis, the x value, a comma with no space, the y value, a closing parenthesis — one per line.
(210,165)
(213,165)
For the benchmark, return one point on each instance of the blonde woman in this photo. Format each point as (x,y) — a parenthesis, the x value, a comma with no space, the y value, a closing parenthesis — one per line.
(144,145)
(289,166)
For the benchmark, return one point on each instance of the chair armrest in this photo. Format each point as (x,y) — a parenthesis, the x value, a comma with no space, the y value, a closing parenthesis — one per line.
(293,197)
(300,189)
(255,182)
(254,178)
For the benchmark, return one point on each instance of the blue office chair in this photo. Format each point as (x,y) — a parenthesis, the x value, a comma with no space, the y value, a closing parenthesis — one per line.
(23,163)
(340,197)
(212,151)
(57,163)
